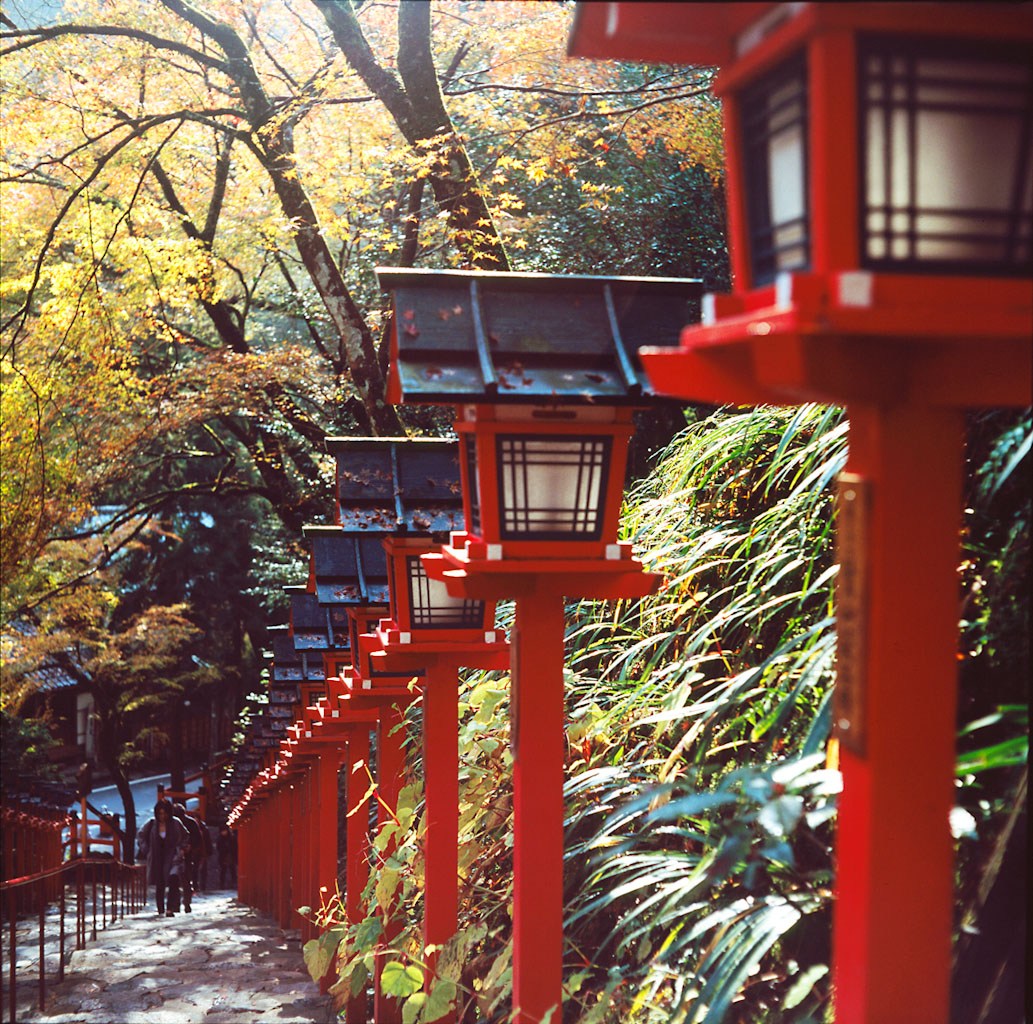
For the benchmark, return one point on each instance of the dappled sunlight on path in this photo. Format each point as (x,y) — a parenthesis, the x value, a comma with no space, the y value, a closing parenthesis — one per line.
(221,964)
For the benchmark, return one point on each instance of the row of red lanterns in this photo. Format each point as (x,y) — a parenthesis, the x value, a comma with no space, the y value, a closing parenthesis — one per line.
(908,304)
(540,474)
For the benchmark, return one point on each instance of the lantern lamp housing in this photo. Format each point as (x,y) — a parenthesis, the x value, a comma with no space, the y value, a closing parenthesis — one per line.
(544,373)
(386,487)
(880,198)
(422,610)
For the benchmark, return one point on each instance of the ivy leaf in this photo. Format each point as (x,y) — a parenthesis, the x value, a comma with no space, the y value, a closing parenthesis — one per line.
(367,932)
(441,999)
(412,1006)
(400,980)
(387,887)
(317,960)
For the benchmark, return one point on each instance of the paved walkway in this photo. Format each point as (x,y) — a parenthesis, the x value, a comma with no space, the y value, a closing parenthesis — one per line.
(221,964)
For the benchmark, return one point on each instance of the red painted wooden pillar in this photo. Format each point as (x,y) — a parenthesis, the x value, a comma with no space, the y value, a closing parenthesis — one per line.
(243,862)
(273,871)
(316,857)
(325,821)
(357,838)
(257,866)
(310,823)
(441,794)
(308,892)
(264,865)
(256,871)
(294,795)
(390,775)
(538,740)
(282,833)
(288,811)
(894,880)
(274,811)
(327,767)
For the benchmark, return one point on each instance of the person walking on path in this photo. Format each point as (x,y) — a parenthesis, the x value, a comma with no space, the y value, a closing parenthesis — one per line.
(193,853)
(201,867)
(160,844)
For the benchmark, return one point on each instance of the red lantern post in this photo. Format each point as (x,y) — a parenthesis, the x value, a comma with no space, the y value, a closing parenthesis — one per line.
(432,635)
(880,230)
(405,489)
(544,374)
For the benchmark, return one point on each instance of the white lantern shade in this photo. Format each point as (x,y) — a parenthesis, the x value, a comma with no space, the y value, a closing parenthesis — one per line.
(552,486)
(432,607)
(774,116)
(948,174)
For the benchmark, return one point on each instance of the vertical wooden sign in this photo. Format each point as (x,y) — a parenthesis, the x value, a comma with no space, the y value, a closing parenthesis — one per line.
(853,499)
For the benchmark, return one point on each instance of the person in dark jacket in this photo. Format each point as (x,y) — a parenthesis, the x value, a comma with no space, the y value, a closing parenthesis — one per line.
(160,844)
(192,854)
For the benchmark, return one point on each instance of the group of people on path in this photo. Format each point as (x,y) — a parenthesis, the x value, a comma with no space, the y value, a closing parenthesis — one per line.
(176,847)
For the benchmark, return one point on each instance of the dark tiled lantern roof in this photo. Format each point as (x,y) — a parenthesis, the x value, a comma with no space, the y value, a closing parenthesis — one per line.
(469,336)
(287,666)
(310,622)
(349,566)
(405,485)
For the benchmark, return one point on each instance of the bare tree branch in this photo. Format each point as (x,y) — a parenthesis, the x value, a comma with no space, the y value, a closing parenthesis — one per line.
(34,36)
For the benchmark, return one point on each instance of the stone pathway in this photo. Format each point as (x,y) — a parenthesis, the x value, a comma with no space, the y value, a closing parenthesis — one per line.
(221,964)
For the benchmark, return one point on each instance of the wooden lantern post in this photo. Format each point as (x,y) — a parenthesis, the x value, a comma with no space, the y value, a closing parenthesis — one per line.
(879,163)
(431,635)
(544,375)
(405,490)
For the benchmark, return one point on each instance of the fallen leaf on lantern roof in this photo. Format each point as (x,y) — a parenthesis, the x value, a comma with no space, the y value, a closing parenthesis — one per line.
(444,314)
(409,314)
(598,378)
(457,310)
(412,331)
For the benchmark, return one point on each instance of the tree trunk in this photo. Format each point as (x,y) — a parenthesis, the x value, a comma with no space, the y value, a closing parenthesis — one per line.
(129,818)
(355,336)
(272,142)
(417,106)
(109,746)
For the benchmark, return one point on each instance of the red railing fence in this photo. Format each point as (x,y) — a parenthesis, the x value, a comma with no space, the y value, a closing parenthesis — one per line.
(120,889)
